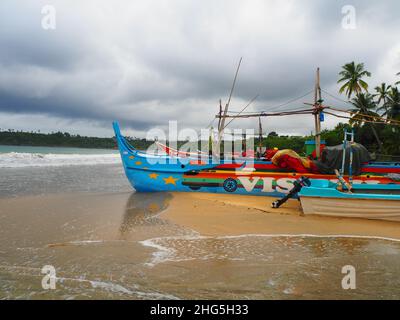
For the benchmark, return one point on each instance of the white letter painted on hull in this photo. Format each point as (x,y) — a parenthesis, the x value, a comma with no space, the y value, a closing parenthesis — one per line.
(284,185)
(247,184)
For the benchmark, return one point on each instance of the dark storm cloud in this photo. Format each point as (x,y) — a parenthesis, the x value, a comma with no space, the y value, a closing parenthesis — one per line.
(148,62)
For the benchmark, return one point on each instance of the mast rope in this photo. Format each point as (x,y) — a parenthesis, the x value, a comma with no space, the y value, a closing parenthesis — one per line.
(361,115)
(233,118)
(272,108)
(335,97)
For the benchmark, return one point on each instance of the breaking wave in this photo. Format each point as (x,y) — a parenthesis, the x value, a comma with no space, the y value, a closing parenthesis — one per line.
(20,160)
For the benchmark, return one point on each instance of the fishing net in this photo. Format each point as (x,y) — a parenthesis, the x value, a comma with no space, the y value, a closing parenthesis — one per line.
(332,157)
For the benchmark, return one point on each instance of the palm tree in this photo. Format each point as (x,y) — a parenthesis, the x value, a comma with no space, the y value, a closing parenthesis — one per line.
(393,104)
(352,74)
(364,111)
(382,95)
(398,82)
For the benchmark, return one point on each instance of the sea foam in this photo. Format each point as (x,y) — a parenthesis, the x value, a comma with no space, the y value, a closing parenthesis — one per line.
(232,247)
(21,160)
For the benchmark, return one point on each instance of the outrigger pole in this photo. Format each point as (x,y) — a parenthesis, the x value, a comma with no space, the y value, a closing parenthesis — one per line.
(272,114)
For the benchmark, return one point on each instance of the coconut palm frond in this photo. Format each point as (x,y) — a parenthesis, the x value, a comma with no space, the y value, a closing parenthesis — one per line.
(352,75)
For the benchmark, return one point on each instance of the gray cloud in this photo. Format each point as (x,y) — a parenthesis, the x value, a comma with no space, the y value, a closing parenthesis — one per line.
(147,62)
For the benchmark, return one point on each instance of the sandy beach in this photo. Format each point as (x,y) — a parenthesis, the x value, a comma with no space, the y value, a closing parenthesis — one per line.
(219,214)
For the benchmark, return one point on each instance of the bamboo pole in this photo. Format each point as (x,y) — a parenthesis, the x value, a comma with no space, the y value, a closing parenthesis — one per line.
(220,115)
(266,114)
(259,138)
(317,98)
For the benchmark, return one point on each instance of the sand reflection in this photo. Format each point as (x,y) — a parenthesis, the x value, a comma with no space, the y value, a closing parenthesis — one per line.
(143,209)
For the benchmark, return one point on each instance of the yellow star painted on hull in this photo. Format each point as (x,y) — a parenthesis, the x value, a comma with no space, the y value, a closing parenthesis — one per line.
(153,175)
(170,180)
(138,163)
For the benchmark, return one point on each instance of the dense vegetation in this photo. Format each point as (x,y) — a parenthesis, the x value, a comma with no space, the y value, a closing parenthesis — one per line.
(63,139)
(375,117)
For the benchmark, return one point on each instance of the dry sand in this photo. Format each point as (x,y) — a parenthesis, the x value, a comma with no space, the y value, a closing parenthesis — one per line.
(219,214)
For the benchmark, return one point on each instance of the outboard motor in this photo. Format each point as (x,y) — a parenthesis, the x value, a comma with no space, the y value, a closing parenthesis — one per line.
(297,185)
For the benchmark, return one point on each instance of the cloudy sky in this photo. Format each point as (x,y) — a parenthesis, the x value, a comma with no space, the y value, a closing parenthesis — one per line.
(146,62)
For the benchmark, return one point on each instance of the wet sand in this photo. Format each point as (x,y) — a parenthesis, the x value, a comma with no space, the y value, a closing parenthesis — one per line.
(188,246)
(219,214)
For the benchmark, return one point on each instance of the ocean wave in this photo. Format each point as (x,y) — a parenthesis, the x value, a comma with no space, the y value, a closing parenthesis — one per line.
(230,247)
(20,160)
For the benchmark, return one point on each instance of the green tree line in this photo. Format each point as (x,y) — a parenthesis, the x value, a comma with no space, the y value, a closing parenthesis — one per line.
(369,109)
(64,139)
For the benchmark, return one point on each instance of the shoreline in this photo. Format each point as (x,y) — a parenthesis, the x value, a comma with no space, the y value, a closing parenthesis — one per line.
(232,215)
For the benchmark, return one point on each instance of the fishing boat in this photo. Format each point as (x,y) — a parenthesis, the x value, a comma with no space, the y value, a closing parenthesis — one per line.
(249,176)
(378,201)
(247,172)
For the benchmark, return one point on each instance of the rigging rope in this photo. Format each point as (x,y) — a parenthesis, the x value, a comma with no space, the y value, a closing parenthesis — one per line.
(251,101)
(335,97)
(361,119)
(290,101)
(381,120)
(275,107)
(271,114)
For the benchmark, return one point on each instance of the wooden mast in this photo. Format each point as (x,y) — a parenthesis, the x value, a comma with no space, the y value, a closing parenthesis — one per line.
(220,114)
(317,111)
(259,137)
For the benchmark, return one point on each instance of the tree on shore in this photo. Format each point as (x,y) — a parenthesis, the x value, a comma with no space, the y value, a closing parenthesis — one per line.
(352,75)
(393,104)
(381,94)
(363,112)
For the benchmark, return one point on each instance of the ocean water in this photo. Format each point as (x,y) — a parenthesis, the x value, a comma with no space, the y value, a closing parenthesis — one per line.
(53,150)
(47,170)
(32,157)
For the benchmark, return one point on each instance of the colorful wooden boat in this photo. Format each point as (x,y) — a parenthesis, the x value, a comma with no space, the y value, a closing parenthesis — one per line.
(379,201)
(147,172)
